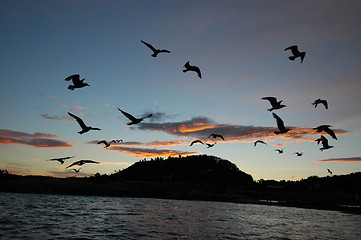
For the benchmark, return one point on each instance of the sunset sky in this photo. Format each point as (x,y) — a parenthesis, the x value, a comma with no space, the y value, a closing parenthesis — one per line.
(239,47)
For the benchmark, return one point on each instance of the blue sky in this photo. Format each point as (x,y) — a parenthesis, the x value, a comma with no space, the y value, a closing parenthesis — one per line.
(239,47)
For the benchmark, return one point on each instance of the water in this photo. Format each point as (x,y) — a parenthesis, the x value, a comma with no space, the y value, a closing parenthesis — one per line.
(31,216)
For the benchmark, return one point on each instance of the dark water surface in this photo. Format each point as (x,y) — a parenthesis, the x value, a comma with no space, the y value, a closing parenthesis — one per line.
(31,216)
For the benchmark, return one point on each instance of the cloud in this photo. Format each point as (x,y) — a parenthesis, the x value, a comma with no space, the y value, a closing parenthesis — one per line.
(66,118)
(47,96)
(158,116)
(351,159)
(149,152)
(38,140)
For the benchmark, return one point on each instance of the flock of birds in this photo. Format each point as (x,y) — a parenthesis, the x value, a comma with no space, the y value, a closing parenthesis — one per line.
(275,105)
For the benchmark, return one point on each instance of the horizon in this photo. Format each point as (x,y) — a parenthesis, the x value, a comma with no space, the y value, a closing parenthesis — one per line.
(240,49)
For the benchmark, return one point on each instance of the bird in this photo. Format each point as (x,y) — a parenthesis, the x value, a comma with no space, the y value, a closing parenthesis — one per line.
(155,51)
(296,53)
(196,141)
(326,128)
(106,143)
(213,135)
(299,154)
(76,170)
(324,142)
(118,140)
(329,171)
(320,101)
(280,125)
(81,162)
(61,160)
(77,83)
(279,151)
(192,68)
(133,119)
(274,103)
(209,145)
(259,141)
(84,127)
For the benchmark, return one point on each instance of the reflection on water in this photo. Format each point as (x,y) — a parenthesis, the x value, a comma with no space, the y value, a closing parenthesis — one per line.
(30,216)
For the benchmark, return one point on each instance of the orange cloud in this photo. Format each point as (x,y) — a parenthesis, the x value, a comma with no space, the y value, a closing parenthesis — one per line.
(39,140)
(351,159)
(149,152)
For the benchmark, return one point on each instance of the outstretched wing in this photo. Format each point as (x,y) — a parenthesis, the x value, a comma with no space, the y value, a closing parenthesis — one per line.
(79,120)
(198,71)
(187,65)
(331,133)
(324,102)
(272,100)
(89,161)
(74,163)
(196,141)
(75,78)
(129,116)
(149,45)
(294,49)
(279,121)
(102,141)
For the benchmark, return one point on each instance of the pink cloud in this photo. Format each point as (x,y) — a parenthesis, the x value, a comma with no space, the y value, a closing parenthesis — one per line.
(351,159)
(47,96)
(66,118)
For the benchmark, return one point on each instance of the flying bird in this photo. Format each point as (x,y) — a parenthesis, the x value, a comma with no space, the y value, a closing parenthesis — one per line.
(76,170)
(107,144)
(274,103)
(279,151)
(192,68)
(77,83)
(213,135)
(155,51)
(61,160)
(84,127)
(196,141)
(81,162)
(299,154)
(259,141)
(280,125)
(320,101)
(209,145)
(329,171)
(296,53)
(324,142)
(326,128)
(133,119)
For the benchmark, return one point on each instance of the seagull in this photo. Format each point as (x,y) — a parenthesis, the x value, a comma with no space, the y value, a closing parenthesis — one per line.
(61,160)
(133,119)
(216,135)
(76,170)
(259,141)
(210,145)
(81,162)
(77,83)
(274,103)
(299,154)
(280,125)
(324,142)
(196,141)
(84,127)
(192,68)
(319,101)
(326,128)
(329,171)
(155,51)
(279,151)
(296,53)
(107,144)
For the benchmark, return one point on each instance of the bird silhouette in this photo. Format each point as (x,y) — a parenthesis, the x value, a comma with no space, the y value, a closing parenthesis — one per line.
(192,68)
(327,129)
(296,53)
(329,171)
(320,101)
(84,127)
(76,170)
(279,151)
(155,51)
(274,103)
(61,160)
(81,162)
(213,135)
(209,145)
(196,141)
(324,142)
(280,125)
(299,154)
(133,119)
(77,83)
(106,143)
(259,141)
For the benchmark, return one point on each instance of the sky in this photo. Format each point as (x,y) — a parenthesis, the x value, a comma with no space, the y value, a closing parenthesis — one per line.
(239,47)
